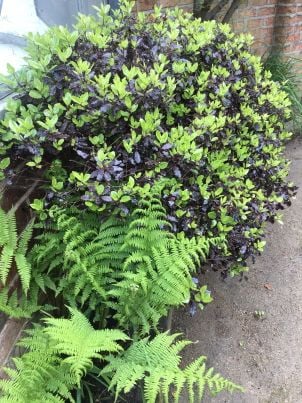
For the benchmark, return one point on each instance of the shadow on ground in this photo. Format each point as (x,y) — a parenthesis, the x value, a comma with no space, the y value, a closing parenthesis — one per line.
(263,355)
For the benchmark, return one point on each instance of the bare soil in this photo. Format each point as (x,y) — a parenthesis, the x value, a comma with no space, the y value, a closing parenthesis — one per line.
(262,354)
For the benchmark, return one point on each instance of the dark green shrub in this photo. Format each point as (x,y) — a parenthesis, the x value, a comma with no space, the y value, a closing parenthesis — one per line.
(125,106)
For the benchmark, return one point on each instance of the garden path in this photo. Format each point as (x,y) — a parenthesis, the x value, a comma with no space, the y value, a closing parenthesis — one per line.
(263,355)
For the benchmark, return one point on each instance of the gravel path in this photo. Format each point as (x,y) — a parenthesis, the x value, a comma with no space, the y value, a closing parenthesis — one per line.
(263,355)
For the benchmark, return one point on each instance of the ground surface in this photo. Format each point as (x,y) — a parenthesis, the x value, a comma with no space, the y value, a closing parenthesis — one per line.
(265,356)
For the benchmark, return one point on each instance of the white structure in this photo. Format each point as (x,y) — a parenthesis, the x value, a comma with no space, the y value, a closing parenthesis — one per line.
(19,17)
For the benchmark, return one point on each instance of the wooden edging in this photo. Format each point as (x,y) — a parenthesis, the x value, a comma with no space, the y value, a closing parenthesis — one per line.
(9,336)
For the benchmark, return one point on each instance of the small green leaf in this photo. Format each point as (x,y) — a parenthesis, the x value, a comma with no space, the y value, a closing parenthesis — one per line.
(4,163)
(125,199)
(35,94)
(37,205)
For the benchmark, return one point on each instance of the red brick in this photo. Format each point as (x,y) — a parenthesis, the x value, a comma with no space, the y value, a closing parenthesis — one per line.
(254,23)
(168,3)
(144,5)
(238,26)
(185,3)
(188,8)
(267,10)
(282,20)
(257,17)
(265,32)
(269,21)
(246,12)
(290,9)
(257,2)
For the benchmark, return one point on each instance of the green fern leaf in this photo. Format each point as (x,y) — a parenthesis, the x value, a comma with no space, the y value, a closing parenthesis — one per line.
(24,270)
(77,339)
(157,362)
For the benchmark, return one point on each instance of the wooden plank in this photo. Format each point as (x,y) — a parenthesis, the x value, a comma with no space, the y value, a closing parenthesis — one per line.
(9,336)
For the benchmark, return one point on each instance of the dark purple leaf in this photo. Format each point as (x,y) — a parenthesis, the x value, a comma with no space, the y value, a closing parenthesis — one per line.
(106,199)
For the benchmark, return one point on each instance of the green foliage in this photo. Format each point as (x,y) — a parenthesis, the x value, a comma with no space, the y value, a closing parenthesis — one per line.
(13,248)
(14,254)
(202,296)
(285,72)
(39,374)
(57,357)
(134,267)
(132,270)
(19,305)
(59,354)
(156,362)
(78,340)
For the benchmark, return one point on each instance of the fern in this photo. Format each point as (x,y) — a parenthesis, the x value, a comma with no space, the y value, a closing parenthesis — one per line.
(57,358)
(77,339)
(147,228)
(20,306)
(14,248)
(61,353)
(13,253)
(157,363)
(157,273)
(81,257)
(39,374)
(135,267)
(156,283)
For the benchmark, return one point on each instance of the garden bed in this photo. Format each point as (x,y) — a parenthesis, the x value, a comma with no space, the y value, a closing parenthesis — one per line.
(157,144)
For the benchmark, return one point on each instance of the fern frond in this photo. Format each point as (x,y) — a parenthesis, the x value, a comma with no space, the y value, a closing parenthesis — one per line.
(77,339)
(6,260)
(152,283)
(4,228)
(24,238)
(39,375)
(14,249)
(157,362)
(17,306)
(135,267)
(24,270)
(148,227)
(57,356)
(12,229)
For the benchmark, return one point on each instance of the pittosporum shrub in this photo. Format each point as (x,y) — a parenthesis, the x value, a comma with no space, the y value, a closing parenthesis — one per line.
(127,105)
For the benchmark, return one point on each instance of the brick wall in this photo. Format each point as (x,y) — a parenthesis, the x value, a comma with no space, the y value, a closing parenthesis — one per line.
(272,22)
(257,17)
(288,26)
(146,5)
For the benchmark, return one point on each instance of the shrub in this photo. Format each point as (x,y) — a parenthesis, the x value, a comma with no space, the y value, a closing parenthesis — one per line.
(127,105)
